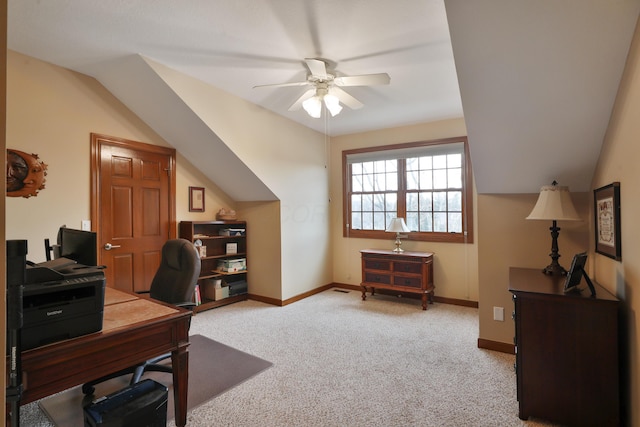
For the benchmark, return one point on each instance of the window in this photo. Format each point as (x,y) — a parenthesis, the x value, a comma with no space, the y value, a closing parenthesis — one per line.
(427,183)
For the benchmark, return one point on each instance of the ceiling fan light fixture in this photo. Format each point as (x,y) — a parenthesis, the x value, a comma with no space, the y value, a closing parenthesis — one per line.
(333,104)
(313,107)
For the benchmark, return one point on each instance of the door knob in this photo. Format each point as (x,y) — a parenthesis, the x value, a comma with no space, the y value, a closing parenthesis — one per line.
(109,246)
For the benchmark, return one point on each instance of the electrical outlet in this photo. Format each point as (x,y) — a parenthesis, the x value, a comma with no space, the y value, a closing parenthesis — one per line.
(86,225)
(498,314)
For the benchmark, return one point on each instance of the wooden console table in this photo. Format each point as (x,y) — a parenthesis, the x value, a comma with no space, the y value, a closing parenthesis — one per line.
(398,271)
(566,351)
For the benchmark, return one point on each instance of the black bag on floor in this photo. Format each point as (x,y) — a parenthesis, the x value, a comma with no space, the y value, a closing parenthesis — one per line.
(143,404)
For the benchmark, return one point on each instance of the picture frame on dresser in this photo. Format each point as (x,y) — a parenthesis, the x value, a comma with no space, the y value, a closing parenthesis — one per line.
(607,221)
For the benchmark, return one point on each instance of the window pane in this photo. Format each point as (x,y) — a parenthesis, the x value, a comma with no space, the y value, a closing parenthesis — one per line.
(367,182)
(412,180)
(367,202)
(356,182)
(379,183)
(413,221)
(440,222)
(367,167)
(356,202)
(413,164)
(426,203)
(455,222)
(455,201)
(439,162)
(426,180)
(426,162)
(356,168)
(454,160)
(455,178)
(412,202)
(392,165)
(440,201)
(378,221)
(392,181)
(440,178)
(426,222)
(392,203)
(379,166)
(367,220)
(356,221)
(379,203)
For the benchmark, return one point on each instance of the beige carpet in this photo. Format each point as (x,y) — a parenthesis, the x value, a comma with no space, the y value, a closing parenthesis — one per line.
(340,361)
(213,369)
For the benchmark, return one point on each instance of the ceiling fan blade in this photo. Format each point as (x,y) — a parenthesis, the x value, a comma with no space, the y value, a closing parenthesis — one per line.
(345,98)
(298,104)
(318,68)
(363,80)
(284,84)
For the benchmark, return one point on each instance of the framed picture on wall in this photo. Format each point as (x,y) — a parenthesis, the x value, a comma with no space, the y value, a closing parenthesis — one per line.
(607,218)
(196,199)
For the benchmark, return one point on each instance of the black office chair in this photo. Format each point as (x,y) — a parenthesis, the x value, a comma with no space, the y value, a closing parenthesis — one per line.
(173,283)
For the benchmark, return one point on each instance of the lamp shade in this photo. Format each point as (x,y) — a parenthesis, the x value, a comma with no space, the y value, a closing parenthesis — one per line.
(554,203)
(397,225)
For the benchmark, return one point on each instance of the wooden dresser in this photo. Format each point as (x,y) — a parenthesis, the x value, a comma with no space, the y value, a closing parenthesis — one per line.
(567,351)
(404,272)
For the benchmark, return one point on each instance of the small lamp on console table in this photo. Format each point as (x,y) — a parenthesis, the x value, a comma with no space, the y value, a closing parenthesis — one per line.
(554,204)
(398,226)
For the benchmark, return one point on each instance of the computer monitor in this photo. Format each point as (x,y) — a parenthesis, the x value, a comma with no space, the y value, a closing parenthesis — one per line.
(78,245)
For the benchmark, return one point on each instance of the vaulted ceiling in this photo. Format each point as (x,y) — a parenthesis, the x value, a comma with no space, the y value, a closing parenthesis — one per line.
(535,80)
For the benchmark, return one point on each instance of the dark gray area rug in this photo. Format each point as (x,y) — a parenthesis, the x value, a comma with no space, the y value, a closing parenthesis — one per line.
(213,369)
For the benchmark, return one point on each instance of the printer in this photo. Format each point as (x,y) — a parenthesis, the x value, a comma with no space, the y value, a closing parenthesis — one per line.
(61,300)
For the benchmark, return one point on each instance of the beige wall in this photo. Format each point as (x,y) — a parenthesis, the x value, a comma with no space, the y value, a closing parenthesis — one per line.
(455,265)
(290,160)
(506,239)
(619,162)
(51,112)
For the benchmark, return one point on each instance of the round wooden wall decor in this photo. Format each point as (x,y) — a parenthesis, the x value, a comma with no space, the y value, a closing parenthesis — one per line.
(25,174)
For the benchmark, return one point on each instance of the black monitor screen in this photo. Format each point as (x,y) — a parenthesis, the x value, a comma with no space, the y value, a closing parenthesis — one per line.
(78,245)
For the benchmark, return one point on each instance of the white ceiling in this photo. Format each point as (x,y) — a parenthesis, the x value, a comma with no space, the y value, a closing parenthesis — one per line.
(237,44)
(537,77)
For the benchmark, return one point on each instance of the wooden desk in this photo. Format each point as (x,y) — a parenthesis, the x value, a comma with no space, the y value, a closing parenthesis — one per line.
(134,329)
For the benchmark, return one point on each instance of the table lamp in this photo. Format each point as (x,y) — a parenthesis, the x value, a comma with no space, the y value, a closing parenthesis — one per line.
(554,204)
(398,226)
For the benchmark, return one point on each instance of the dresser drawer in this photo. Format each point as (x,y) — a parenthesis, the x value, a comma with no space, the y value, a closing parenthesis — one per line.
(377,278)
(411,282)
(408,267)
(377,264)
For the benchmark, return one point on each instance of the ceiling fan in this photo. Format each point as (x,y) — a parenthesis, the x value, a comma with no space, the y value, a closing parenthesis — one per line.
(327,87)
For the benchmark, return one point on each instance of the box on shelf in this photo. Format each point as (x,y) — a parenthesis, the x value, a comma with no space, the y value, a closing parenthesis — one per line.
(232,265)
(232,232)
(232,248)
(221,293)
(209,287)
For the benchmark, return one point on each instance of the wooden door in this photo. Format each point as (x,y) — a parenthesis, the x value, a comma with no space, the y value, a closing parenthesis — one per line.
(132,208)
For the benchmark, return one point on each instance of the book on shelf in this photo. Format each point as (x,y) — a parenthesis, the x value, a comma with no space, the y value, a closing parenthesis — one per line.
(197,298)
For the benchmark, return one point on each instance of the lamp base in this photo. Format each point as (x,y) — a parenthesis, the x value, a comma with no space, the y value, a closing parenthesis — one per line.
(398,243)
(554,270)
